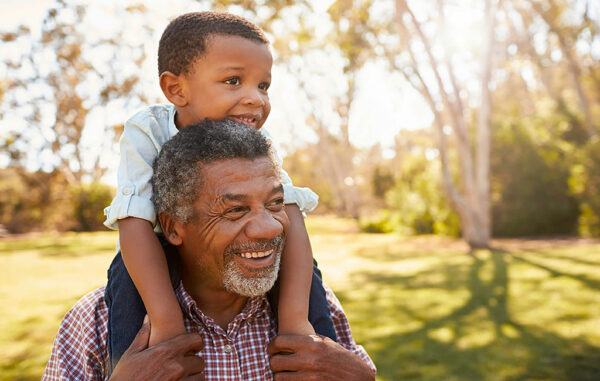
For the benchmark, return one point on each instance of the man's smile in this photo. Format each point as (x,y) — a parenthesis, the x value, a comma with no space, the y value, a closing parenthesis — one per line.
(252,261)
(256,254)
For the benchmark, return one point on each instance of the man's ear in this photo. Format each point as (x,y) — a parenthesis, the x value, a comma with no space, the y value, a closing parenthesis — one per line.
(173,87)
(171,229)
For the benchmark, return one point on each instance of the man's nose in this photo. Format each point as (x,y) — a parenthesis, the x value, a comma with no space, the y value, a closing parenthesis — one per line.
(263,225)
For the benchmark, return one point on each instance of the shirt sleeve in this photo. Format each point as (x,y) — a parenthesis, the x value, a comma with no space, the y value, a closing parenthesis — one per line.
(79,351)
(305,198)
(134,192)
(342,329)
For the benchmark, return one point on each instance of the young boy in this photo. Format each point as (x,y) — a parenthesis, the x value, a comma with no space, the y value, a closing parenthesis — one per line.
(211,65)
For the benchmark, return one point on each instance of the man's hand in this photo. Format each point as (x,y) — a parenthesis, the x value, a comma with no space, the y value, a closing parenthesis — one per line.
(314,357)
(173,359)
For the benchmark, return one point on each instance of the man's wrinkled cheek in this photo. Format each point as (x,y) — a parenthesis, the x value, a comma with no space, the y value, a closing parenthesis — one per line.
(284,221)
(218,233)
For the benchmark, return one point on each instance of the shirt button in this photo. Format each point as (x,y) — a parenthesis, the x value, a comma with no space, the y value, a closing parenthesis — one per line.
(126,191)
(227,348)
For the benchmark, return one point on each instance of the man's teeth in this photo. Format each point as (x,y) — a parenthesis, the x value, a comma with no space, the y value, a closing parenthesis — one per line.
(256,254)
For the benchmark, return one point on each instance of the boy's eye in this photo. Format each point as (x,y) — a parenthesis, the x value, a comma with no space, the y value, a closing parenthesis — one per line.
(233,81)
(264,86)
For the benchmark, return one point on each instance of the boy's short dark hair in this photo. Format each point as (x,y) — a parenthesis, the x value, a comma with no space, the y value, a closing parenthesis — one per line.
(184,39)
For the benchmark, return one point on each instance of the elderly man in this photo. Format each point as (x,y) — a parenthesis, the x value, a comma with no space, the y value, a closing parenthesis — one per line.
(220,204)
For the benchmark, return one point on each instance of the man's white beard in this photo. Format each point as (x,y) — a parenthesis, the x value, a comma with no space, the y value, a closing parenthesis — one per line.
(263,280)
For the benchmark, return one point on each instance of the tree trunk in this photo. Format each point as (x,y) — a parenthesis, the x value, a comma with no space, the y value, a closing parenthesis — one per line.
(484,134)
(472,203)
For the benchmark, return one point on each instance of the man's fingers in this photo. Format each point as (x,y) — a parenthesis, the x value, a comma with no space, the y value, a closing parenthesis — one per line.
(284,363)
(287,343)
(185,343)
(140,342)
(293,376)
(193,364)
(194,377)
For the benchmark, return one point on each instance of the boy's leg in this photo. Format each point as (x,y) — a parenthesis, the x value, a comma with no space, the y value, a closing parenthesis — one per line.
(318,309)
(126,309)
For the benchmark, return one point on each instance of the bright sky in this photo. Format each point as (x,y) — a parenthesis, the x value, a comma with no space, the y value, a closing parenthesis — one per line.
(383,105)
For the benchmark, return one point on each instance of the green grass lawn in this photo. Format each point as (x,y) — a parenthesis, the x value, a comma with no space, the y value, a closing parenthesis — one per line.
(425,308)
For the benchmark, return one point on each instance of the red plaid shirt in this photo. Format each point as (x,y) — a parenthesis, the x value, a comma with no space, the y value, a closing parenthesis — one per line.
(240,353)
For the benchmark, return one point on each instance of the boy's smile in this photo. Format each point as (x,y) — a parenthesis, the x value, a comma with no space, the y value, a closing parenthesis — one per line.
(229,80)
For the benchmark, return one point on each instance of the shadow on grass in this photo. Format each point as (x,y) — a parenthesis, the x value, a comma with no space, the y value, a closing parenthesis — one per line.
(476,340)
(572,259)
(556,273)
(413,248)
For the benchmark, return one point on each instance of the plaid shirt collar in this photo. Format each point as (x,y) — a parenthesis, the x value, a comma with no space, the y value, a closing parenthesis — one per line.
(255,307)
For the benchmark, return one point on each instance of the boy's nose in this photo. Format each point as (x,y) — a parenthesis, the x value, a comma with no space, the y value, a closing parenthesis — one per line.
(255,97)
(263,226)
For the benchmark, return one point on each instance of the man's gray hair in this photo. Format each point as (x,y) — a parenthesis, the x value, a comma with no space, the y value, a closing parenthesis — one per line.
(177,176)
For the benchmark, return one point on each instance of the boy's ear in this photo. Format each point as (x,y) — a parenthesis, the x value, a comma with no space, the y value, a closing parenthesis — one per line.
(172,86)
(171,229)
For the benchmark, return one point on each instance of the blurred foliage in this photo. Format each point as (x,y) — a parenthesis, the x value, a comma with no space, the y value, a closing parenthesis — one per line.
(413,197)
(585,185)
(43,201)
(530,189)
(306,173)
(33,201)
(56,85)
(88,202)
(418,199)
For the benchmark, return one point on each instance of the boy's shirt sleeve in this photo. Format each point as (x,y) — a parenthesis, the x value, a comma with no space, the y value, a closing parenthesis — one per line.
(305,198)
(139,147)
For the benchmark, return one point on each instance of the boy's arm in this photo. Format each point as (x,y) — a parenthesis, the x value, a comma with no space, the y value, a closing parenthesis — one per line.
(132,211)
(295,277)
(147,265)
(297,258)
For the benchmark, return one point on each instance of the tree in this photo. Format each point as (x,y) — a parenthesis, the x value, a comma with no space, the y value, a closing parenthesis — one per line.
(56,85)
(551,12)
(433,74)
(567,68)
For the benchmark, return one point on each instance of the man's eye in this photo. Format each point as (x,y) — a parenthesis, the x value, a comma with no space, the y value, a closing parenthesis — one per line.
(236,210)
(233,81)
(264,86)
(276,204)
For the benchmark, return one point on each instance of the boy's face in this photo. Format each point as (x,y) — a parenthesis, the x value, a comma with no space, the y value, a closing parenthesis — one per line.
(230,80)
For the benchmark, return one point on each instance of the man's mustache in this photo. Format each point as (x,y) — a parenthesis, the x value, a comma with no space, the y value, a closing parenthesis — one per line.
(258,245)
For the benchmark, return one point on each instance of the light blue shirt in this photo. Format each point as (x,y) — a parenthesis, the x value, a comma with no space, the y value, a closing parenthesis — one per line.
(143,137)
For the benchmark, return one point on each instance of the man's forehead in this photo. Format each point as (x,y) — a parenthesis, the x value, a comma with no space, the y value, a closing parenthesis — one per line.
(229,177)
